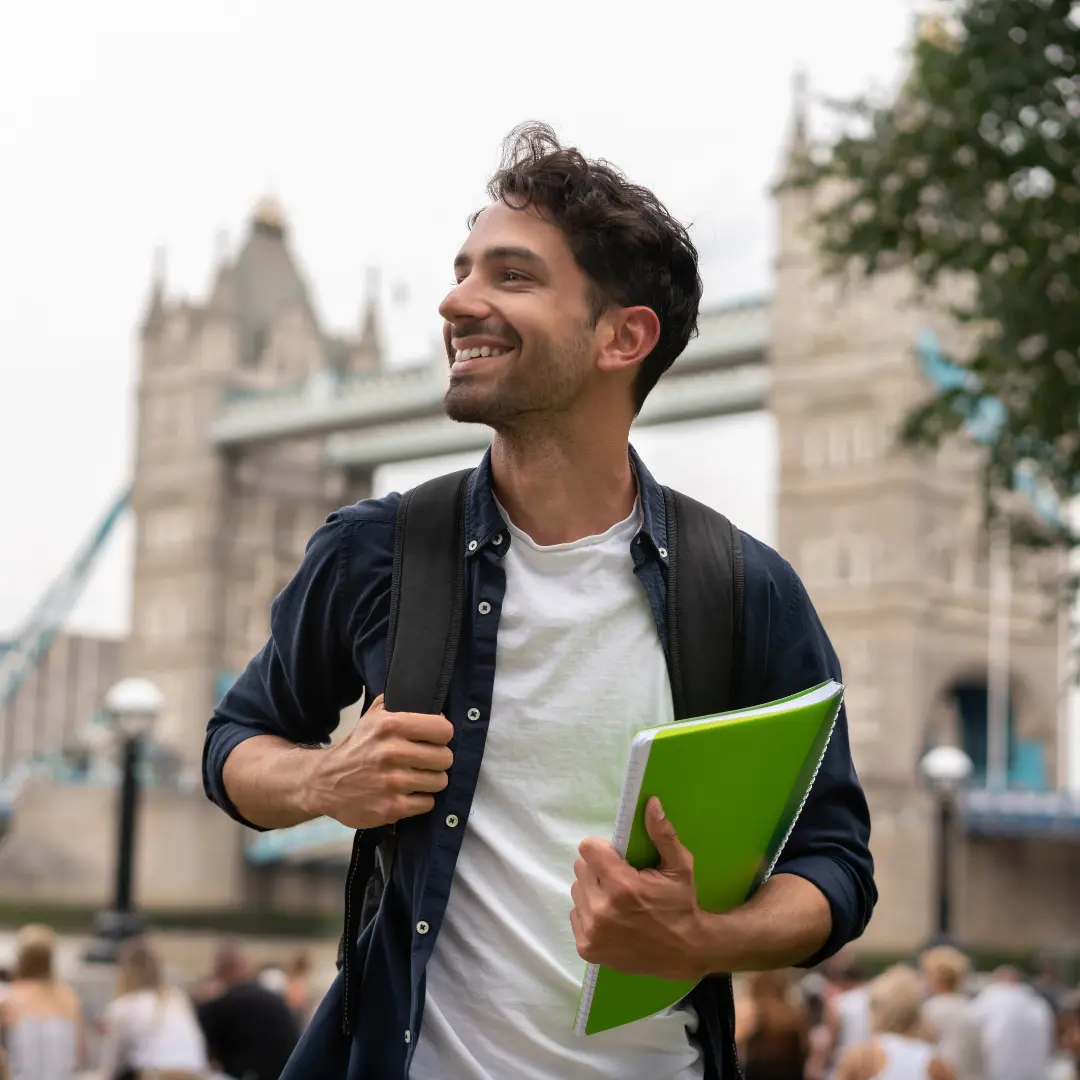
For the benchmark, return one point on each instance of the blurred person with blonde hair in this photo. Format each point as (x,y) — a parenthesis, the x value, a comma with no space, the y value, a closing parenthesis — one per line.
(949,1011)
(151,1032)
(41,1018)
(896,1049)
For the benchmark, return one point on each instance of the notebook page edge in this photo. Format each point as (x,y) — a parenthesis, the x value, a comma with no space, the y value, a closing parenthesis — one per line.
(638,759)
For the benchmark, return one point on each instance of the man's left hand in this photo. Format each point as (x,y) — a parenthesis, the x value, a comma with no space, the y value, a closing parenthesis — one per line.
(642,922)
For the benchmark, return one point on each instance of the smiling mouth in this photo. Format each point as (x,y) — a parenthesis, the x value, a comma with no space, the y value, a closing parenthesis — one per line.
(462,360)
(479,351)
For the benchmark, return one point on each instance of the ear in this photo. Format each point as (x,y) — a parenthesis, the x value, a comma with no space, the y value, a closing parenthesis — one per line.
(630,335)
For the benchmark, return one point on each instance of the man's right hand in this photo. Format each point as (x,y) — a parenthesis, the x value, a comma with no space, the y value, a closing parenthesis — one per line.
(389,767)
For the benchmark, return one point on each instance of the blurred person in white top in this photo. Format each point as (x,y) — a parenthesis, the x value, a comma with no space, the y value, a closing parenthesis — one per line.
(150,1027)
(897,1048)
(949,1012)
(41,1018)
(1017,1028)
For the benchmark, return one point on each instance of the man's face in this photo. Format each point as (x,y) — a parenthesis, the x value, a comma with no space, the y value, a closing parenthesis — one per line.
(518,329)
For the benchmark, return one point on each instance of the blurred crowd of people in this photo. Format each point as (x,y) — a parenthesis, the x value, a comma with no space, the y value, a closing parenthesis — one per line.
(238,1023)
(939,1021)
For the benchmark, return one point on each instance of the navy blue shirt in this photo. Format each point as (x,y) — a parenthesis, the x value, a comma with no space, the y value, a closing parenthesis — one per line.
(328,648)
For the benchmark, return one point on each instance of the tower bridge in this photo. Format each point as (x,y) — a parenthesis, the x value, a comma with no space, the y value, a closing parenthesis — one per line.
(254,422)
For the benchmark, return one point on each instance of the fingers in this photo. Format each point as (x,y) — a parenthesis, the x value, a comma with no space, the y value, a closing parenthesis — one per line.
(420,756)
(602,861)
(424,781)
(413,727)
(412,806)
(673,855)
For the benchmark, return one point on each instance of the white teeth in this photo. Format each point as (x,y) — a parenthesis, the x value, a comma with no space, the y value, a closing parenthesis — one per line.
(480,350)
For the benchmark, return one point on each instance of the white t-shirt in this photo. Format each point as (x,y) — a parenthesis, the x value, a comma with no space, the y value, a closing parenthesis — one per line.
(579,669)
(151,1030)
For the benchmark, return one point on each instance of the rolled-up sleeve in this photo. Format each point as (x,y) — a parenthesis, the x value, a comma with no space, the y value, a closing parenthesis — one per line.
(830,844)
(304,675)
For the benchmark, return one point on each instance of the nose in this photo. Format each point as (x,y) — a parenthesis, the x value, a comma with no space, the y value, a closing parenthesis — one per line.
(465,300)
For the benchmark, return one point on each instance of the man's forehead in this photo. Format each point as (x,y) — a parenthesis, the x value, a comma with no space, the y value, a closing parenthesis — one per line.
(501,226)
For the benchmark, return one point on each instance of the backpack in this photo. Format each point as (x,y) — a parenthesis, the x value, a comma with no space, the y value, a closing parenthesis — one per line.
(704,566)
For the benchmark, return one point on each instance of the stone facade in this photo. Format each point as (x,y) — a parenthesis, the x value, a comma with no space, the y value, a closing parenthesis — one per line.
(892,549)
(218,537)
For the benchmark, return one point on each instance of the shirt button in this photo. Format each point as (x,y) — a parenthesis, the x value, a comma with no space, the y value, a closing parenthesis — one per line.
(408,1037)
(422,927)
(663,553)
(451,821)
(473,715)
(497,539)
(473,545)
(483,607)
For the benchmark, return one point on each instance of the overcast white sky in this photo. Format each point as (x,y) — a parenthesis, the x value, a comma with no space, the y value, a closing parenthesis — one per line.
(125,125)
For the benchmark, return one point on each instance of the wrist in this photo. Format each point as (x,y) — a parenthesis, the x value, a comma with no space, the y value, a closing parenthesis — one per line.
(712,950)
(310,790)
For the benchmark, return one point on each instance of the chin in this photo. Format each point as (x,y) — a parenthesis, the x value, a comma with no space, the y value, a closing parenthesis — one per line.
(465,405)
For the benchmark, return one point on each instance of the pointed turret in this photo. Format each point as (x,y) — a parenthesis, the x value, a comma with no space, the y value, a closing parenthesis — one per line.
(798,141)
(154,315)
(223,293)
(369,328)
(265,279)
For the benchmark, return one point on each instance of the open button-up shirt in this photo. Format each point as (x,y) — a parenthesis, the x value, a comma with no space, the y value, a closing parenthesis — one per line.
(328,649)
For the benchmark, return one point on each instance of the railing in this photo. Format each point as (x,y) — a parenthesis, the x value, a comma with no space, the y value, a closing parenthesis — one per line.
(729,336)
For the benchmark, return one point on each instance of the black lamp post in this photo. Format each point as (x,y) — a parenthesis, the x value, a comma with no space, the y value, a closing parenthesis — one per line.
(946,769)
(132,706)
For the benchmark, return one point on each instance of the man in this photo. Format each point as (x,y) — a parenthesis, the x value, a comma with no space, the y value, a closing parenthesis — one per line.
(250,1030)
(573,292)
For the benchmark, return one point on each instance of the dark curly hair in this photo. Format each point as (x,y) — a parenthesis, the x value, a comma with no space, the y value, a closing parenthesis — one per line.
(623,238)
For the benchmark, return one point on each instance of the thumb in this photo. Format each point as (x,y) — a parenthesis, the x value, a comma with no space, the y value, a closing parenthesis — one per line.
(673,856)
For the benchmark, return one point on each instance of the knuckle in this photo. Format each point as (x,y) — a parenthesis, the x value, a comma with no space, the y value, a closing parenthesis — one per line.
(389,724)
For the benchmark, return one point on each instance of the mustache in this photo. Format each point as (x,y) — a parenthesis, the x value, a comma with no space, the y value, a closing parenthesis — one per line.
(485,328)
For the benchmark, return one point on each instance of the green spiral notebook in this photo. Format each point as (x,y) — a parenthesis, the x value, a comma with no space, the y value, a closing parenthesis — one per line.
(733,786)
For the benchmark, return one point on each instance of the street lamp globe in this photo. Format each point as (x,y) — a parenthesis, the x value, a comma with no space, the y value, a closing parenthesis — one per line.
(133,706)
(946,768)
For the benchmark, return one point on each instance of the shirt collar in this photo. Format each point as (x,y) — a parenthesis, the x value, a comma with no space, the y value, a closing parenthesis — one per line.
(483,522)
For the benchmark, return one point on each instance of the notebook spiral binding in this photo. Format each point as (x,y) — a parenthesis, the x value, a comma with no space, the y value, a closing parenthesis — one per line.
(806,795)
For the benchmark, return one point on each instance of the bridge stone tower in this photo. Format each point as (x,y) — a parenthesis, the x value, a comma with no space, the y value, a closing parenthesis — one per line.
(217,537)
(892,550)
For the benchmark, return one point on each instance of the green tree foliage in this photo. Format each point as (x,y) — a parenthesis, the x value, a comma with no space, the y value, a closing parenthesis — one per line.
(973,171)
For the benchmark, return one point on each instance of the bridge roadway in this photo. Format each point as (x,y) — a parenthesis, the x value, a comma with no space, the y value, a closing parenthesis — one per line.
(375,418)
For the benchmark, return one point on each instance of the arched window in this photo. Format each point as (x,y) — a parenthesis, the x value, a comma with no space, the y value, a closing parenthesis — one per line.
(1026,757)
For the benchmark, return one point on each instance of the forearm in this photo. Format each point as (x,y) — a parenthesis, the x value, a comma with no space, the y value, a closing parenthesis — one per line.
(269,780)
(783,924)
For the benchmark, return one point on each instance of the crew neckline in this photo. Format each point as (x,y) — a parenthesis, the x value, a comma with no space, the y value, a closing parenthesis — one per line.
(630,525)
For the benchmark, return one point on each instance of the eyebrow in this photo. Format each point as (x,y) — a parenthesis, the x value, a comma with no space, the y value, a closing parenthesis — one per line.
(496,254)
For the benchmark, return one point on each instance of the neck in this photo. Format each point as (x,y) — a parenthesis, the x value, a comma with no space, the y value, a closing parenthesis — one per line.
(560,487)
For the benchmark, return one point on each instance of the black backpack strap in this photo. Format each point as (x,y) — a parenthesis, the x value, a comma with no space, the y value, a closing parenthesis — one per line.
(704,624)
(427,598)
(704,606)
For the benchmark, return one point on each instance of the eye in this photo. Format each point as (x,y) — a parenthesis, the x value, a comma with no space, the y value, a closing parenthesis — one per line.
(513,275)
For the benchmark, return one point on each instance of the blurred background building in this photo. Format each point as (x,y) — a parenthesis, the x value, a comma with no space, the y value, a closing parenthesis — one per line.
(254,422)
